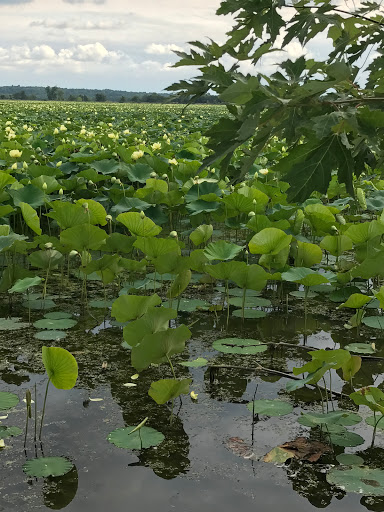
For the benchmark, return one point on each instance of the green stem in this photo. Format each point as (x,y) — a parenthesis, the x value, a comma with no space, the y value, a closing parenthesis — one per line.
(43,413)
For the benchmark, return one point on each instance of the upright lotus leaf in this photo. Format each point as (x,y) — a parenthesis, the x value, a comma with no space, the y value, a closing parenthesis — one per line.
(28,194)
(359,479)
(83,237)
(304,276)
(356,301)
(119,243)
(364,231)
(201,206)
(139,172)
(30,217)
(107,267)
(269,241)
(351,367)
(22,285)
(337,357)
(159,347)
(68,215)
(224,270)
(154,320)
(47,184)
(95,211)
(155,247)
(336,244)
(251,277)
(258,223)
(61,367)
(107,166)
(129,203)
(380,296)
(180,283)
(239,203)
(370,396)
(201,234)
(49,258)
(222,250)
(7,241)
(307,255)
(5,179)
(320,217)
(371,267)
(167,389)
(138,224)
(275,261)
(205,190)
(131,307)
(253,193)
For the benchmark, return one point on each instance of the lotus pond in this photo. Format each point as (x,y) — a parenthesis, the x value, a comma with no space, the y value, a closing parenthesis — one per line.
(177,340)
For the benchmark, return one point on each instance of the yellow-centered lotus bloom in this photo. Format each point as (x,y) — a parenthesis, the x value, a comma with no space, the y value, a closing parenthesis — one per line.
(156,145)
(137,154)
(264,172)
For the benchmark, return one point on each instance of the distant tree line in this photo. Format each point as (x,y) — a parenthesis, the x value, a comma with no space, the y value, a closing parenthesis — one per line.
(55,93)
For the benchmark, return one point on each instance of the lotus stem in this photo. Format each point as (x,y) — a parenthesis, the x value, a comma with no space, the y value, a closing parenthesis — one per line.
(43,413)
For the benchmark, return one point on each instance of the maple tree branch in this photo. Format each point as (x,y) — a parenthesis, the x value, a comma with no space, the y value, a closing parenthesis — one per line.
(336,9)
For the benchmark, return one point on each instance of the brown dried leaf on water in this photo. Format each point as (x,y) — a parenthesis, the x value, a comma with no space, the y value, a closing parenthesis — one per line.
(239,447)
(300,448)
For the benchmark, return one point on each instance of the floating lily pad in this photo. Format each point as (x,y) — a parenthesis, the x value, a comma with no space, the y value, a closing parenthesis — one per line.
(12,324)
(349,459)
(344,437)
(39,304)
(239,346)
(101,304)
(47,466)
(58,315)
(238,292)
(143,438)
(300,294)
(360,348)
(342,294)
(196,363)
(376,322)
(345,418)
(186,305)
(250,302)
(9,432)
(8,400)
(359,479)
(48,323)
(50,335)
(249,313)
(270,407)
(371,421)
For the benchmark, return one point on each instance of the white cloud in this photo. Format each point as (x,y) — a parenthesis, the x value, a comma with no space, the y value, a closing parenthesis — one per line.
(76,24)
(162,49)
(98,2)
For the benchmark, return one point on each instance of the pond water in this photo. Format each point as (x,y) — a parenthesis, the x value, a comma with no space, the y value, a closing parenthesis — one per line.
(199,466)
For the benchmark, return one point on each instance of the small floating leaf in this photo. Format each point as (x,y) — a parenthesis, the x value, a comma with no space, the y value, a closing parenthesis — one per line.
(249,313)
(57,315)
(196,363)
(47,466)
(360,348)
(143,438)
(10,432)
(239,346)
(349,459)
(8,400)
(50,335)
(48,323)
(270,407)
(359,479)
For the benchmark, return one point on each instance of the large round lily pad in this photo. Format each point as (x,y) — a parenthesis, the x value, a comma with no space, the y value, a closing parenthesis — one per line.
(48,323)
(58,315)
(47,466)
(360,348)
(249,313)
(239,346)
(8,400)
(312,419)
(50,335)
(250,302)
(9,432)
(375,322)
(270,407)
(349,459)
(359,479)
(143,438)
(12,324)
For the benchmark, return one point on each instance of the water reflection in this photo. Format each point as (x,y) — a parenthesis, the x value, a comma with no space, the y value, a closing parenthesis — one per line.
(58,492)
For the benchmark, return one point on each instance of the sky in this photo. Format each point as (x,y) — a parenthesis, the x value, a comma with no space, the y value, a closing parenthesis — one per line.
(102,44)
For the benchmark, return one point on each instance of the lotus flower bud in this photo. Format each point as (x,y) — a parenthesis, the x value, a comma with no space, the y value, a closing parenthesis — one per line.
(14,166)
(334,230)
(108,218)
(142,215)
(85,206)
(173,234)
(25,165)
(165,176)
(113,179)
(251,214)
(73,253)
(59,164)
(226,179)
(90,182)
(153,175)
(48,245)
(254,201)
(45,186)
(61,192)
(256,175)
